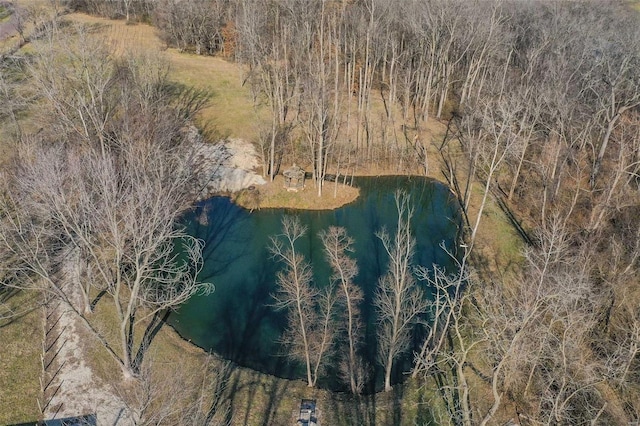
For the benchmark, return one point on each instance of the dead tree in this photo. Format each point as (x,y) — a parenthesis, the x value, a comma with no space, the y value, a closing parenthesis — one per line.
(337,246)
(310,331)
(398,300)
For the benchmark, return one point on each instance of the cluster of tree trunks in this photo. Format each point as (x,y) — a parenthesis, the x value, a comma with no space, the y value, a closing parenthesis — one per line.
(91,203)
(542,101)
(324,319)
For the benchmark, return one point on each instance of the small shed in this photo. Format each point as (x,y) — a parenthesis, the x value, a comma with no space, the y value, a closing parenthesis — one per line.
(294,178)
(307,415)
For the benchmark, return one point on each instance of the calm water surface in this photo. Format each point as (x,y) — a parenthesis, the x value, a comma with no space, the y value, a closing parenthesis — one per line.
(237,321)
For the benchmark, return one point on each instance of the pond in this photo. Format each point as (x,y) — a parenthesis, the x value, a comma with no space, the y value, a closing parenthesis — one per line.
(237,320)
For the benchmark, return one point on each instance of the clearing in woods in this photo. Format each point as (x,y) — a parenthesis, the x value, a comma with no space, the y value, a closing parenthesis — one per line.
(231,111)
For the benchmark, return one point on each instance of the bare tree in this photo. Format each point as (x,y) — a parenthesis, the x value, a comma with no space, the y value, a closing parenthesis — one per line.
(79,95)
(195,25)
(324,332)
(295,292)
(398,300)
(105,196)
(614,194)
(117,9)
(451,338)
(622,361)
(310,311)
(612,81)
(123,223)
(320,106)
(517,330)
(171,394)
(271,52)
(494,133)
(537,343)
(337,246)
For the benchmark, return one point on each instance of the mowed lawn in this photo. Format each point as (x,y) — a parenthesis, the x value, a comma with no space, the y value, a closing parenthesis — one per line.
(20,351)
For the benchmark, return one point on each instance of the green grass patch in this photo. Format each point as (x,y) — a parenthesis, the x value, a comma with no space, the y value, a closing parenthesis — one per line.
(231,110)
(5,13)
(498,246)
(502,237)
(20,352)
(634,4)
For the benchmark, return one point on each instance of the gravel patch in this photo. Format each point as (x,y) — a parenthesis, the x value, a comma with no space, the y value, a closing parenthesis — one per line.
(75,390)
(227,166)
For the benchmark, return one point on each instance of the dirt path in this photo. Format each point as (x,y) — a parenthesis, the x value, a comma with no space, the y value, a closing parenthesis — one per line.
(72,387)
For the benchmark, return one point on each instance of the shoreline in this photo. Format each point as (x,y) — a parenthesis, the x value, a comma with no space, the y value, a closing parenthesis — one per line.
(374,178)
(273,195)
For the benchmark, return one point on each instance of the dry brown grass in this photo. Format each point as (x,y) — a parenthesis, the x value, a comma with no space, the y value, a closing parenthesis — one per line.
(231,111)
(274,195)
(121,38)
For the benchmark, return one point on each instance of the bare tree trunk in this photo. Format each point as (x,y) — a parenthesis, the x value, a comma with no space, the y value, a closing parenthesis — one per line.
(326,333)
(337,245)
(398,300)
(294,288)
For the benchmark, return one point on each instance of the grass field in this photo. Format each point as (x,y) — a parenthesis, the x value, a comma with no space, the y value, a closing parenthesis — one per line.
(231,111)
(20,350)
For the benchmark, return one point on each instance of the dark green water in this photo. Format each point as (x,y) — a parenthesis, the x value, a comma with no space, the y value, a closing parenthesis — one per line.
(236,320)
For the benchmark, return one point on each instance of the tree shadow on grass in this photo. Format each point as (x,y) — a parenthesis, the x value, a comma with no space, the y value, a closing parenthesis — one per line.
(408,403)
(153,328)
(97,299)
(218,403)
(11,314)
(247,389)
(348,409)
(276,392)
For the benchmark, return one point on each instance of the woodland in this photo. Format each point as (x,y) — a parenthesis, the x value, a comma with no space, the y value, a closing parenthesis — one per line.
(528,108)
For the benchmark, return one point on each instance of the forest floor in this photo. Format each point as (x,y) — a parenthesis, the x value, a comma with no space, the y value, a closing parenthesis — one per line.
(250,397)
